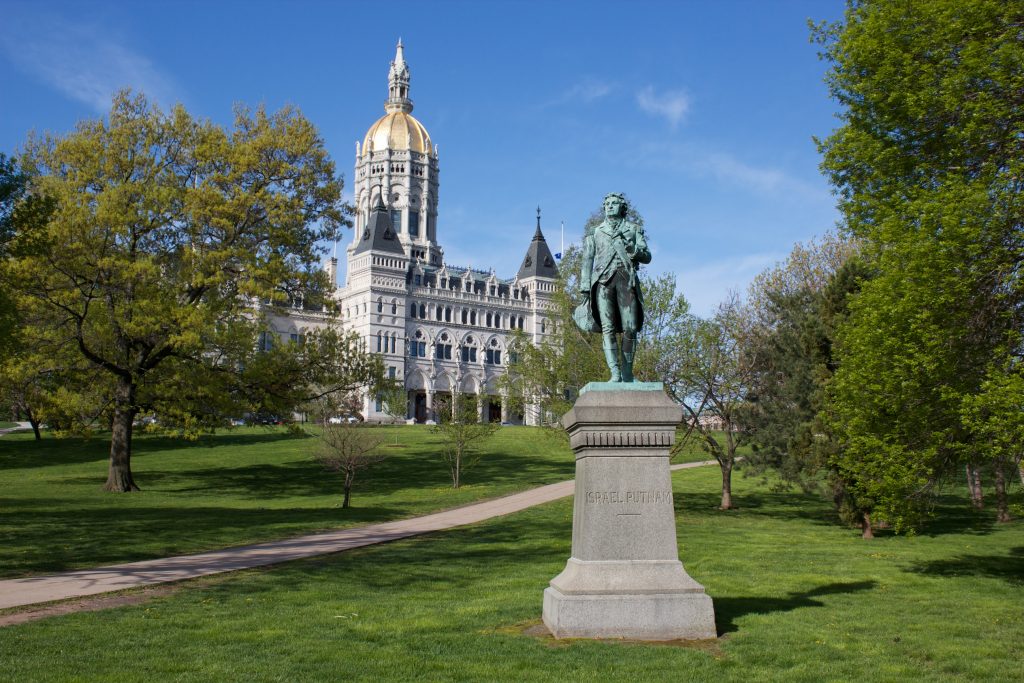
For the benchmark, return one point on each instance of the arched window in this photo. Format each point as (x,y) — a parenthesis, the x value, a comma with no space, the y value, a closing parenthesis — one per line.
(438,312)
(489,319)
(443,348)
(469,350)
(521,323)
(418,346)
(465,316)
(543,326)
(379,337)
(472,318)
(394,339)
(394,307)
(423,311)
(492,356)
(380,305)
(447,314)
(412,311)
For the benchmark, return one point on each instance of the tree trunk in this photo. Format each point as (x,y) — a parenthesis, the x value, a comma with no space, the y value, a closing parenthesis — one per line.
(32,420)
(349,478)
(974,485)
(726,485)
(119,476)
(1002,506)
(865,526)
(456,470)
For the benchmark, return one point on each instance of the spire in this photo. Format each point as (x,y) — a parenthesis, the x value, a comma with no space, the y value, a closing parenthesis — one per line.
(398,83)
(538,261)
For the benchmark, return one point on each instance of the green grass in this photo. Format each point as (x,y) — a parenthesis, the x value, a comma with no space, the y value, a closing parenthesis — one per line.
(797,598)
(8,425)
(243,486)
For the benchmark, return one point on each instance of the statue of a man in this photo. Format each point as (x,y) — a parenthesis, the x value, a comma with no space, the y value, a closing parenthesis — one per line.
(612,251)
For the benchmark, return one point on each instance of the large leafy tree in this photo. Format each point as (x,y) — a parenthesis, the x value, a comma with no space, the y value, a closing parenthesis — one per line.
(166,231)
(928,165)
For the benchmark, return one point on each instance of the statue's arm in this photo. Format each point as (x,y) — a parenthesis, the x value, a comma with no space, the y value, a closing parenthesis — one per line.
(586,272)
(641,254)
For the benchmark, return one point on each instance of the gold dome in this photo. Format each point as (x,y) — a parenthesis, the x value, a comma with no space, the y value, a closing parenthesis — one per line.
(397,130)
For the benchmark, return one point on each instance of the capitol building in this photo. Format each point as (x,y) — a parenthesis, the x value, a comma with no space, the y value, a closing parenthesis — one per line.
(440,328)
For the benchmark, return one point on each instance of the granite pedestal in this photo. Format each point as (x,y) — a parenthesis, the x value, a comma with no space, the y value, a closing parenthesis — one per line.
(624,579)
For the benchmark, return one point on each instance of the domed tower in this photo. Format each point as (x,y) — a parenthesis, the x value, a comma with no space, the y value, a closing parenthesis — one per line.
(398,160)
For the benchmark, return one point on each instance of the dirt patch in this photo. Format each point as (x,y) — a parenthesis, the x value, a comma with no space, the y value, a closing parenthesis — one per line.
(536,629)
(90,604)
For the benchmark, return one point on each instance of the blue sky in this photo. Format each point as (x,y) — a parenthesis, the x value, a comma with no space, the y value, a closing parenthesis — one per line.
(702,112)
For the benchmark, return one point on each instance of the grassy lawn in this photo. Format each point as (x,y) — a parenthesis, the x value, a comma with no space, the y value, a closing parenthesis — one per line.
(243,486)
(7,425)
(797,599)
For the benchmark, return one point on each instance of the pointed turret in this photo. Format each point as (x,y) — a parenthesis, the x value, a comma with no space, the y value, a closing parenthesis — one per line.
(398,83)
(379,233)
(538,262)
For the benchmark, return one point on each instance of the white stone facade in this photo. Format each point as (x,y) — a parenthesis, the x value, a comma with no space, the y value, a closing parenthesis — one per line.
(440,328)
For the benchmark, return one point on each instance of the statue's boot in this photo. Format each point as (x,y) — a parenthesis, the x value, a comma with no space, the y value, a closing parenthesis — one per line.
(628,351)
(611,356)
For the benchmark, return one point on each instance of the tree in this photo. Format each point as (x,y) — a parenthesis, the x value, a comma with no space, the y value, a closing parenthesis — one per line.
(394,399)
(795,310)
(995,418)
(348,448)
(711,381)
(21,210)
(165,232)
(928,166)
(461,435)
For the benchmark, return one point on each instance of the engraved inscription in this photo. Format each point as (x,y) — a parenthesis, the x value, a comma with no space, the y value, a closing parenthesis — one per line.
(624,497)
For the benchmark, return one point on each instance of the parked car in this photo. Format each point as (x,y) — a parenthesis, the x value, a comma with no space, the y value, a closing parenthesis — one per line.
(342,419)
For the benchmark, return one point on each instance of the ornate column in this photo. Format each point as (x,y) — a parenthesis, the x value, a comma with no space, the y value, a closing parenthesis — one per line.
(504,406)
(430,406)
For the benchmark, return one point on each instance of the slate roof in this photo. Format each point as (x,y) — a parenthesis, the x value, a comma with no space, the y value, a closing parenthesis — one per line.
(379,234)
(538,262)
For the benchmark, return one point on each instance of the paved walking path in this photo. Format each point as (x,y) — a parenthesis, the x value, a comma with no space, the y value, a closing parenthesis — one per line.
(20,425)
(76,584)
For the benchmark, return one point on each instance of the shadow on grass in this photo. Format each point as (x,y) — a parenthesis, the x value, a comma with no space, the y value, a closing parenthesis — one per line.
(412,468)
(953,515)
(26,453)
(728,610)
(1009,568)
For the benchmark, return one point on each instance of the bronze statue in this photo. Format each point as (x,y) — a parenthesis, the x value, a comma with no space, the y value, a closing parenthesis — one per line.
(612,250)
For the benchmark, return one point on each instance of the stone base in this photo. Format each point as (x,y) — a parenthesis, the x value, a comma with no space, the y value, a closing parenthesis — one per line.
(649,616)
(624,578)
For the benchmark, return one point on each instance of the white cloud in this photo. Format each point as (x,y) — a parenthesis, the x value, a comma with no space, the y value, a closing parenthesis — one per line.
(587,90)
(83,62)
(723,167)
(765,180)
(671,105)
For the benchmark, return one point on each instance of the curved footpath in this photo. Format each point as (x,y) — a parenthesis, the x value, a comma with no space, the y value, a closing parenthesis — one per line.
(76,584)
